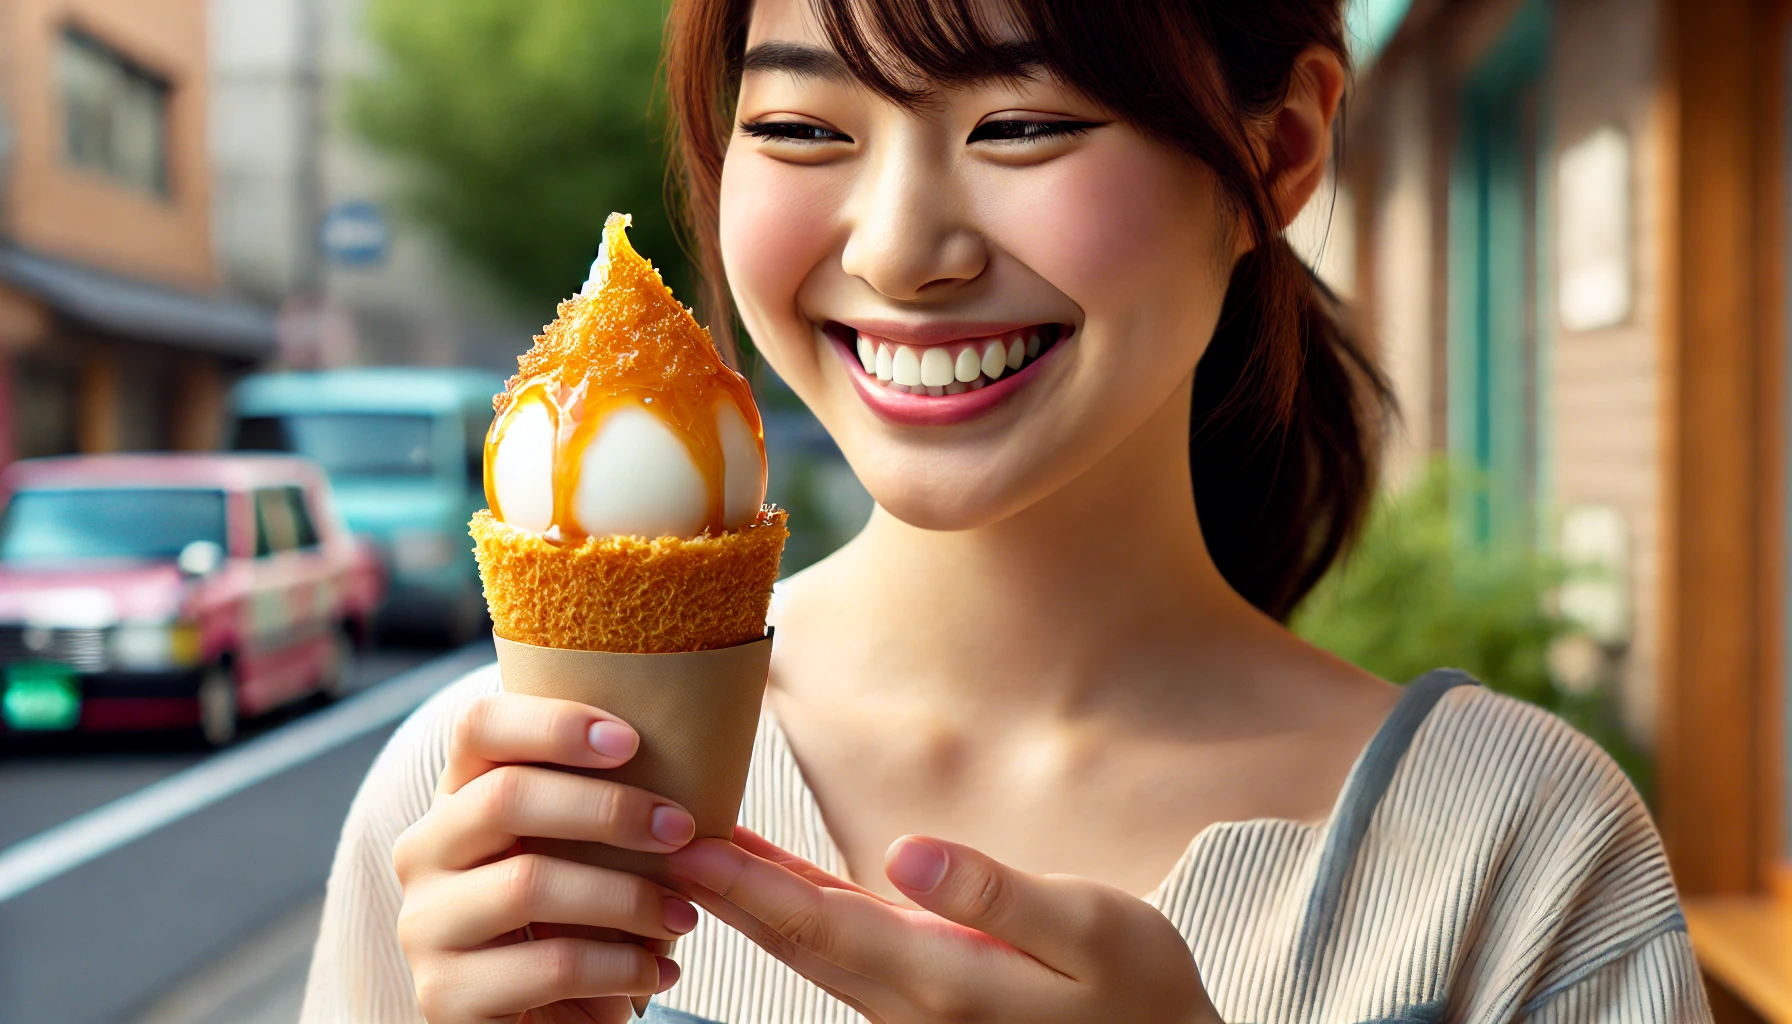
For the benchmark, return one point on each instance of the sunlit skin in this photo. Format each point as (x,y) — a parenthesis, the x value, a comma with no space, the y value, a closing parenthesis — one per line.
(1026,671)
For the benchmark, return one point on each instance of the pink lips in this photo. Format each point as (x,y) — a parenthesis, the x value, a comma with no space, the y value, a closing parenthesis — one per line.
(941,410)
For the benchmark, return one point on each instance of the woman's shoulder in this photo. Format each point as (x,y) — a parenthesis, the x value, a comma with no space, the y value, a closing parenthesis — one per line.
(1541,824)
(1486,767)
(1477,741)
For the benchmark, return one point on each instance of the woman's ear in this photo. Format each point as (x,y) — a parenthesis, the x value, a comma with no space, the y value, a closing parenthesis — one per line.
(1300,140)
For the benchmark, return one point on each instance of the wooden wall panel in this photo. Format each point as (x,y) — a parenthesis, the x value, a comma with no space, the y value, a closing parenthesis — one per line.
(1712,768)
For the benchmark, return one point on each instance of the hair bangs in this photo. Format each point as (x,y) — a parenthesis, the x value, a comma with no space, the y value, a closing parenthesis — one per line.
(906,49)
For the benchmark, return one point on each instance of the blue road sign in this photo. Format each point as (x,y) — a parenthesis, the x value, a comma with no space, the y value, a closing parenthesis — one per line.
(355,234)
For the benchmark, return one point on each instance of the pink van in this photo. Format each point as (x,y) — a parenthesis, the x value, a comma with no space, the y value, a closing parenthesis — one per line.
(173,591)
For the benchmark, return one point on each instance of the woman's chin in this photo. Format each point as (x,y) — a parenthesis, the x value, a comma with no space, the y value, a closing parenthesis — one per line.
(945,503)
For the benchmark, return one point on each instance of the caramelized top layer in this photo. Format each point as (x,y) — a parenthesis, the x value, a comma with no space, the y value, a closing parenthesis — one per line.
(624,340)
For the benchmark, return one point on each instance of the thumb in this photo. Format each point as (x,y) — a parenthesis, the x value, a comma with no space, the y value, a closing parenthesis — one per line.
(1054,918)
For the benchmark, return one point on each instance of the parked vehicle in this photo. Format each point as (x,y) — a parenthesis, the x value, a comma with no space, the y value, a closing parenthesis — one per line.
(404,448)
(172,591)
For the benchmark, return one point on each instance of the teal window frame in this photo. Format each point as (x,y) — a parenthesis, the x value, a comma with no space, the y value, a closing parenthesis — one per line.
(1500,311)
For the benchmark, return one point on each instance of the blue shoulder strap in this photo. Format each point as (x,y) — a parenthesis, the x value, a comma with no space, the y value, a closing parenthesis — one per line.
(1362,793)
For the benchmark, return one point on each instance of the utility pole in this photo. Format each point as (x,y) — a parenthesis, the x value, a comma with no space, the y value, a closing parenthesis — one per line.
(309,128)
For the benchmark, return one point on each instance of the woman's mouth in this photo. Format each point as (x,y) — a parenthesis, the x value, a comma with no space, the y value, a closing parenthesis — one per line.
(953,368)
(946,382)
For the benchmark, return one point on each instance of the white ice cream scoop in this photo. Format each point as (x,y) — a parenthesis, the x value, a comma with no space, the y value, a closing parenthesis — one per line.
(634,475)
(523,466)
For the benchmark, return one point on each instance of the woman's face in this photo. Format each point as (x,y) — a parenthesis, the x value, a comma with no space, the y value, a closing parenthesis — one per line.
(939,244)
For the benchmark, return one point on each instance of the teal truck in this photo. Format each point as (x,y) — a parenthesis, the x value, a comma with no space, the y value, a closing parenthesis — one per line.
(404,450)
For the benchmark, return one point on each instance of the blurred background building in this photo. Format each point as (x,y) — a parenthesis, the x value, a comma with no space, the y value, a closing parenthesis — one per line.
(305,213)
(1567,224)
(113,330)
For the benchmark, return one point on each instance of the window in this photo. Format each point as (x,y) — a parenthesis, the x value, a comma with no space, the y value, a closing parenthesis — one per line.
(282,521)
(115,114)
(348,445)
(57,526)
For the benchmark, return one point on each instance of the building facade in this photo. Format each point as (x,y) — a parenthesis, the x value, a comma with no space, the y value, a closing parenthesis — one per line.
(1568,228)
(113,331)
(306,216)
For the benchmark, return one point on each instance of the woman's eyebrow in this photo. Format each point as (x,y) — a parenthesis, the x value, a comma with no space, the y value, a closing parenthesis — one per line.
(798,59)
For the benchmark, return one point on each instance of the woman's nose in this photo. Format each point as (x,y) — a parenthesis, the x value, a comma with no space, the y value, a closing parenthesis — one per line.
(907,239)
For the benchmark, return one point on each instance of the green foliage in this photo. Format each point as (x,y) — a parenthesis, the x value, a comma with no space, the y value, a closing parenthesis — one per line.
(525,123)
(1412,597)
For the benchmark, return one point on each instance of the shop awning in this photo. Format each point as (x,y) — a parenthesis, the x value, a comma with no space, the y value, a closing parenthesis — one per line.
(138,310)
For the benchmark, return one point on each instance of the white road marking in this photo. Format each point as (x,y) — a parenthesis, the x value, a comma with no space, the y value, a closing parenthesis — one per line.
(55,851)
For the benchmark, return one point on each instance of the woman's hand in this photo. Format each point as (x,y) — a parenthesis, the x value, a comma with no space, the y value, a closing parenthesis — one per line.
(990,944)
(478,921)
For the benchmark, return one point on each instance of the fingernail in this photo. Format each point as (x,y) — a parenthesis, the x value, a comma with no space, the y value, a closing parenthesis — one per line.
(679,916)
(613,740)
(668,973)
(918,865)
(672,825)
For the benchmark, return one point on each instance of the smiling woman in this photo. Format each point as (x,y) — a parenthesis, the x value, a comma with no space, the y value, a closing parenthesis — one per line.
(1287,410)
(1037,746)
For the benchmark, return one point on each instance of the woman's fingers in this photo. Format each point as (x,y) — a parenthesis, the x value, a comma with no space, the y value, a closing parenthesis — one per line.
(1060,921)
(469,909)
(854,990)
(857,933)
(484,818)
(516,728)
(500,983)
(759,846)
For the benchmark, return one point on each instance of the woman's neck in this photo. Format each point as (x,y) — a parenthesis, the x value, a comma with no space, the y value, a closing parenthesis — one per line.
(1041,613)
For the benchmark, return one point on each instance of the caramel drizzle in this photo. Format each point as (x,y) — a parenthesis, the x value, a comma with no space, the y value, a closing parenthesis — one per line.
(687,406)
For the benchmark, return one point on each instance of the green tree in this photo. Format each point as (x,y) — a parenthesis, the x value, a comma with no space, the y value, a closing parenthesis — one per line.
(523,124)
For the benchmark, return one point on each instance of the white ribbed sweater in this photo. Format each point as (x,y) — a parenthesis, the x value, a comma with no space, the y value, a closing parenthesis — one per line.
(1484,862)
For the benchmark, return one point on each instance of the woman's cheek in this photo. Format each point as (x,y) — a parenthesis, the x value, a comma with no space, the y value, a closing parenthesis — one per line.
(775,229)
(1106,225)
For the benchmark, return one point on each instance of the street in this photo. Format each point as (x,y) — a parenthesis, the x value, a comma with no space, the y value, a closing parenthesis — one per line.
(48,781)
(169,823)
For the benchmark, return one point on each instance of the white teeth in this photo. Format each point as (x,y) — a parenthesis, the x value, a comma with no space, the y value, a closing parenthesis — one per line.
(935,370)
(967,366)
(936,367)
(905,368)
(995,360)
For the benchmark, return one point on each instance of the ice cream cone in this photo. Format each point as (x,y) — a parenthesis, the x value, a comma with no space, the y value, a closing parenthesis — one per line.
(627,559)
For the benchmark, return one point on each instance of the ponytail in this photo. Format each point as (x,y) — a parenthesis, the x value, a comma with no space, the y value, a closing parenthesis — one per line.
(1285,431)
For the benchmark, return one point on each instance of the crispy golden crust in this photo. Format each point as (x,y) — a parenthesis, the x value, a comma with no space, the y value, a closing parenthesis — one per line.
(627,594)
(627,334)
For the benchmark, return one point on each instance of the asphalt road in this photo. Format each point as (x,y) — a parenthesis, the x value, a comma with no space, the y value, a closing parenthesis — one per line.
(47,781)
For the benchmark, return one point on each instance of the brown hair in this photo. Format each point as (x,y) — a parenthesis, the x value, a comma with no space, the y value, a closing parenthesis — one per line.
(1288,407)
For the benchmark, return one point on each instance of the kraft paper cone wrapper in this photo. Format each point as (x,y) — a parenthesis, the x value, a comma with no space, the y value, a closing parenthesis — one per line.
(697,714)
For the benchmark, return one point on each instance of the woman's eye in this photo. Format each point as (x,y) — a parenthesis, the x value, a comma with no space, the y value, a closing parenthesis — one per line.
(793,131)
(1022,131)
